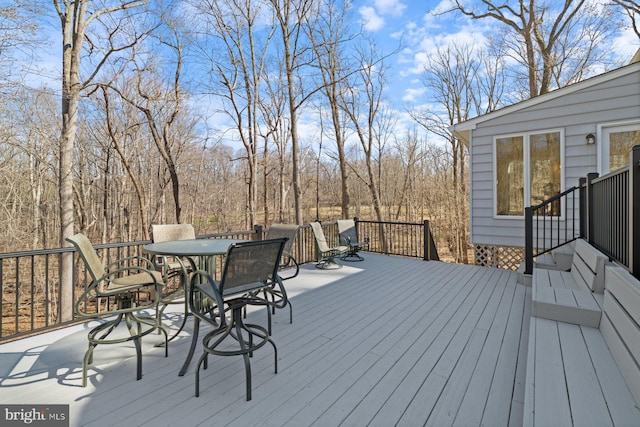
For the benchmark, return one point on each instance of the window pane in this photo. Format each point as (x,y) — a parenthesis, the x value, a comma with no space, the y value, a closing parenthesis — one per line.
(619,145)
(544,150)
(510,176)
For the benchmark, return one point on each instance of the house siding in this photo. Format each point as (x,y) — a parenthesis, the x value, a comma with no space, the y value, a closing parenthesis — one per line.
(577,113)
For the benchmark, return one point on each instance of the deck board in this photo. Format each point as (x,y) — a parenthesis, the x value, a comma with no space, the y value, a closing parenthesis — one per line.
(488,368)
(386,341)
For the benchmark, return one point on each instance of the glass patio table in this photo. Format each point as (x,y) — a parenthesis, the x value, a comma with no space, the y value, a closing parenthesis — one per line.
(206,250)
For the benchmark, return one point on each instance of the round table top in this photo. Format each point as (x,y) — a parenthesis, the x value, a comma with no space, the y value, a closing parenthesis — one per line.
(193,247)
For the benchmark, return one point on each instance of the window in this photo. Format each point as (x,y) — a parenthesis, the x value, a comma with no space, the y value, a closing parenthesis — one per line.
(545,166)
(528,171)
(616,143)
(510,179)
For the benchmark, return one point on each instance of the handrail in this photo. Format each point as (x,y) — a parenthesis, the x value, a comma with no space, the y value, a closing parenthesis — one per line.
(409,239)
(546,239)
(30,284)
(609,196)
(554,198)
(609,216)
(30,280)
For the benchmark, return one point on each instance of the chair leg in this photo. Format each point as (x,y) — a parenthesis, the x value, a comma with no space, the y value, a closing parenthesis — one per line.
(134,325)
(328,263)
(93,342)
(136,342)
(192,348)
(88,358)
(166,303)
(352,256)
(200,360)
(244,334)
(247,370)
(163,331)
(237,320)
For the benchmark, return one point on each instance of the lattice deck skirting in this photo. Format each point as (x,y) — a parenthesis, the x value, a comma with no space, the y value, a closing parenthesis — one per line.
(505,257)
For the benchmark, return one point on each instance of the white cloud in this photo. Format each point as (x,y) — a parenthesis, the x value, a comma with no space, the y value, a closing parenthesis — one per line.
(390,7)
(434,32)
(396,35)
(371,21)
(445,6)
(412,95)
(625,45)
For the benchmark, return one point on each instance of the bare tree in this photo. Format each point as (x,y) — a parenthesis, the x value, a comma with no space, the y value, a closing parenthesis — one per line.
(362,101)
(75,17)
(632,9)
(411,152)
(545,37)
(162,102)
(273,106)
(290,16)
(117,135)
(18,33)
(461,85)
(328,37)
(237,70)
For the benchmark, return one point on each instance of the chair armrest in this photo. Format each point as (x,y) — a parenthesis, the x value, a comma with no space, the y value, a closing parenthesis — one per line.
(162,263)
(130,268)
(346,241)
(202,282)
(128,259)
(281,292)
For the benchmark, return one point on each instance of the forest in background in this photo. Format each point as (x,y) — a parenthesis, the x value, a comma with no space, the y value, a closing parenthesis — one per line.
(226,114)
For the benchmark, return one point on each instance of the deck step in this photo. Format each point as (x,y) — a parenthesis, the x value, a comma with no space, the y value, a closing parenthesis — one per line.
(558,259)
(565,304)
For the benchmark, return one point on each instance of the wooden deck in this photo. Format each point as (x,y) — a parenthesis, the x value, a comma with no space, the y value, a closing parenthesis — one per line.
(387,341)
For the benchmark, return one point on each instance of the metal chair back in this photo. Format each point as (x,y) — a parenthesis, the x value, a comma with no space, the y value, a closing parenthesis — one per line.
(347,231)
(167,232)
(87,252)
(278,231)
(250,266)
(321,240)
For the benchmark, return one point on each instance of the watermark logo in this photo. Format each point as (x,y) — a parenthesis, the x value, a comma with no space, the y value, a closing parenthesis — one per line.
(36,415)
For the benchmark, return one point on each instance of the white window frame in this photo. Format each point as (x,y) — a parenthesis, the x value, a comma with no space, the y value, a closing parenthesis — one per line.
(602,135)
(527,169)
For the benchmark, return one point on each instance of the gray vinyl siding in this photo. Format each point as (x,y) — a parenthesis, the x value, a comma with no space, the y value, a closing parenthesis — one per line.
(577,113)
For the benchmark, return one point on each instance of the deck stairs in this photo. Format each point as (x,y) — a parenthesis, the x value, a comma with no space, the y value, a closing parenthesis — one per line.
(558,259)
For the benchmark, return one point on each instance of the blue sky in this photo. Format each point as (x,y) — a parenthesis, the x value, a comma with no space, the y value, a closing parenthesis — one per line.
(415,24)
(417,28)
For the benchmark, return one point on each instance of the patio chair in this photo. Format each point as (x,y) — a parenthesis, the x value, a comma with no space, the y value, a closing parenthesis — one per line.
(287,261)
(249,267)
(326,254)
(126,285)
(168,232)
(348,233)
(289,231)
(173,267)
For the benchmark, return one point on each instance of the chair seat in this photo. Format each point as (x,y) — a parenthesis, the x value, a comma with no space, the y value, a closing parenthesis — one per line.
(359,245)
(177,266)
(132,282)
